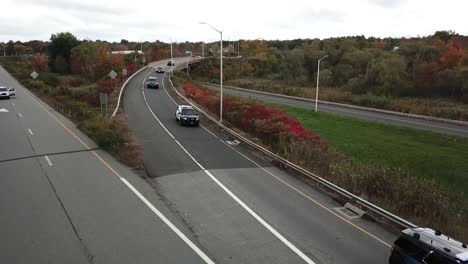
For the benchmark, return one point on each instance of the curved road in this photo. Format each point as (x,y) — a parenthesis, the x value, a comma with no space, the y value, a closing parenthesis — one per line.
(417,123)
(64,201)
(238,207)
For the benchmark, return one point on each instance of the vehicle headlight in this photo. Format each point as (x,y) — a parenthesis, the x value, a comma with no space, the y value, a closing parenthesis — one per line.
(184,118)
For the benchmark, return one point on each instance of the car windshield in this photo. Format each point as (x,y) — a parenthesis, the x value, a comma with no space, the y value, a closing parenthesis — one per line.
(3,89)
(188,111)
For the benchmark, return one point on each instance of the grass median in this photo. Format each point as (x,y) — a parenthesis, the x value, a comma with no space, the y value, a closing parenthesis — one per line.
(421,153)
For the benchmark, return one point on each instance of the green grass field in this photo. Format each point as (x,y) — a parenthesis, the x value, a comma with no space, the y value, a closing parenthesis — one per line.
(422,153)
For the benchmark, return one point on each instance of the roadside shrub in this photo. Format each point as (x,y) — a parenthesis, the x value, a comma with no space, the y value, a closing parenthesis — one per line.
(71,81)
(50,79)
(104,131)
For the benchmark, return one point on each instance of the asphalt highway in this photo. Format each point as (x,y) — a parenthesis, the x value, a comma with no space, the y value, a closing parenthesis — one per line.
(236,204)
(417,123)
(64,201)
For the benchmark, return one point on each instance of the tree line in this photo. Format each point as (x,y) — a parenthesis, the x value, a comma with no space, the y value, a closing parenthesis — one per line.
(432,66)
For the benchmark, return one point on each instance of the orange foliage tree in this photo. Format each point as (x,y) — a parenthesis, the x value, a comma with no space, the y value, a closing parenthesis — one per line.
(451,57)
(39,62)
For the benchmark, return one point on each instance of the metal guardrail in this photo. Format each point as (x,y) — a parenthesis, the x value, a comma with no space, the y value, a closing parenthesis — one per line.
(356,107)
(331,186)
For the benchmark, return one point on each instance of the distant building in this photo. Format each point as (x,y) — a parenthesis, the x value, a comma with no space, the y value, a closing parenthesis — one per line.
(126,52)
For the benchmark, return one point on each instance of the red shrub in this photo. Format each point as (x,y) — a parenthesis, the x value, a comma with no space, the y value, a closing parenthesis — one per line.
(262,120)
(105,86)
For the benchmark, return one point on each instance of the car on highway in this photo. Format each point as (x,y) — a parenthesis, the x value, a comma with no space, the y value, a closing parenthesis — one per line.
(159,69)
(4,93)
(170,63)
(424,245)
(12,92)
(152,82)
(187,115)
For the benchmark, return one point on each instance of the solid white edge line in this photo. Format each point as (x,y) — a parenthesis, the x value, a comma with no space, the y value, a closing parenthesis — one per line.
(30,132)
(48,161)
(133,189)
(260,219)
(165,129)
(180,234)
(167,222)
(233,196)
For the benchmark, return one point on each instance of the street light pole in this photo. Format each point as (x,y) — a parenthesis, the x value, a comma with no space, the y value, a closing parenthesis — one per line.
(318,77)
(221,71)
(221,80)
(172,62)
(203,50)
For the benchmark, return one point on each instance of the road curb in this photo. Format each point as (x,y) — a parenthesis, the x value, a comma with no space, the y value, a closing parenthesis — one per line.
(415,116)
(123,88)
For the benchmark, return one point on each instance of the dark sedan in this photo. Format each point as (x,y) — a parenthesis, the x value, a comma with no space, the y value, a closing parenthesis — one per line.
(153,82)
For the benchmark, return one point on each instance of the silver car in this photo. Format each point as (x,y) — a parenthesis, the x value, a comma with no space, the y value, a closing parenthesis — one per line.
(4,92)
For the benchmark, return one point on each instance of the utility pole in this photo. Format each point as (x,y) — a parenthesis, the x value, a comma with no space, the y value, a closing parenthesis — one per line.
(318,77)
(203,50)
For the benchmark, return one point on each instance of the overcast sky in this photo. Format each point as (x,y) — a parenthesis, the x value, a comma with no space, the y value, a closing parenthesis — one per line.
(139,20)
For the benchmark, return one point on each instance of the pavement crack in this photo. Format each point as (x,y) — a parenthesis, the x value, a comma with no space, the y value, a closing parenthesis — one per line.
(84,248)
(48,154)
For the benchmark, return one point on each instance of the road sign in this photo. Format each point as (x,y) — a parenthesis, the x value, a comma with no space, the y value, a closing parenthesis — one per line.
(112,74)
(3,110)
(103,98)
(34,75)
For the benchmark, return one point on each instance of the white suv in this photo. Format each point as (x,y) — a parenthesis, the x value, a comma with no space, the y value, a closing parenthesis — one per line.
(187,115)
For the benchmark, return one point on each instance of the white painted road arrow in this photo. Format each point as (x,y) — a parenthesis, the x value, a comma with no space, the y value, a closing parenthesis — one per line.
(3,110)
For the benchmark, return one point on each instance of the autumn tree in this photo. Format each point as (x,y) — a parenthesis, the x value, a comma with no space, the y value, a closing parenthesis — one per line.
(444,35)
(450,58)
(19,49)
(39,62)
(463,76)
(154,52)
(10,48)
(60,48)
(389,75)
(85,59)
(448,83)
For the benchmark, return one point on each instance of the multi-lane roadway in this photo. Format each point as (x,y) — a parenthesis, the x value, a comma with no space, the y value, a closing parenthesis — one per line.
(236,204)
(387,117)
(62,200)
